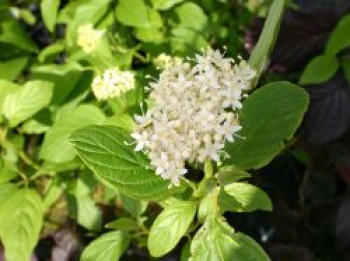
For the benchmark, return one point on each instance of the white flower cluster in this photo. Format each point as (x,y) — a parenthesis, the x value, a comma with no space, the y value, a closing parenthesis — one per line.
(112,83)
(88,37)
(164,61)
(193,113)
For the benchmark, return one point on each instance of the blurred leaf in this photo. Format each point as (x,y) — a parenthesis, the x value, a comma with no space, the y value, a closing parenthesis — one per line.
(186,41)
(261,53)
(269,116)
(154,33)
(242,197)
(64,77)
(328,116)
(170,226)
(10,69)
(53,191)
(340,37)
(33,126)
(89,11)
(26,101)
(164,4)
(105,151)
(21,217)
(108,247)
(191,16)
(133,206)
(133,13)
(125,224)
(49,10)
(346,68)
(88,213)
(124,121)
(56,147)
(7,87)
(51,51)
(216,241)
(11,32)
(186,252)
(320,69)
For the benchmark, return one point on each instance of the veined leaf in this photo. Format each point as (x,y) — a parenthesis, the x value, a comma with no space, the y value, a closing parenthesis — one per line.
(170,226)
(20,224)
(216,241)
(105,150)
(268,117)
(56,147)
(242,197)
(26,101)
(108,247)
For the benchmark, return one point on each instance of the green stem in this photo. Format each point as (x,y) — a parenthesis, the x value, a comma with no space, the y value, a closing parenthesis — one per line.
(208,168)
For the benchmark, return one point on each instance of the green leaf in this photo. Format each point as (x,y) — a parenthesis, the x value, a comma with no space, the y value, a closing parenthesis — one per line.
(124,121)
(8,168)
(206,206)
(20,223)
(133,13)
(33,126)
(10,69)
(268,117)
(11,32)
(7,87)
(88,213)
(191,16)
(216,241)
(346,68)
(230,174)
(133,206)
(6,190)
(105,150)
(340,37)
(170,226)
(26,101)
(88,11)
(242,197)
(56,147)
(51,51)
(64,77)
(125,224)
(108,247)
(164,4)
(186,41)
(320,69)
(49,9)
(186,252)
(155,32)
(262,50)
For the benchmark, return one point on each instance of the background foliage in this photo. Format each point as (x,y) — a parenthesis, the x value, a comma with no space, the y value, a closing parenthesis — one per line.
(48,195)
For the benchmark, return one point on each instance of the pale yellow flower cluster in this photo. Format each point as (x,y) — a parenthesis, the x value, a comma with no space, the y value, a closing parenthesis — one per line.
(88,37)
(164,61)
(193,113)
(112,83)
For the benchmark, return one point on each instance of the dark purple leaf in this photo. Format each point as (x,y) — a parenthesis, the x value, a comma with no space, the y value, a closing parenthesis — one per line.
(328,116)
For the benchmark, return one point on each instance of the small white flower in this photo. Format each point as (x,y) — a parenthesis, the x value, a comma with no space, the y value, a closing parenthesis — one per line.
(193,112)
(88,37)
(112,83)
